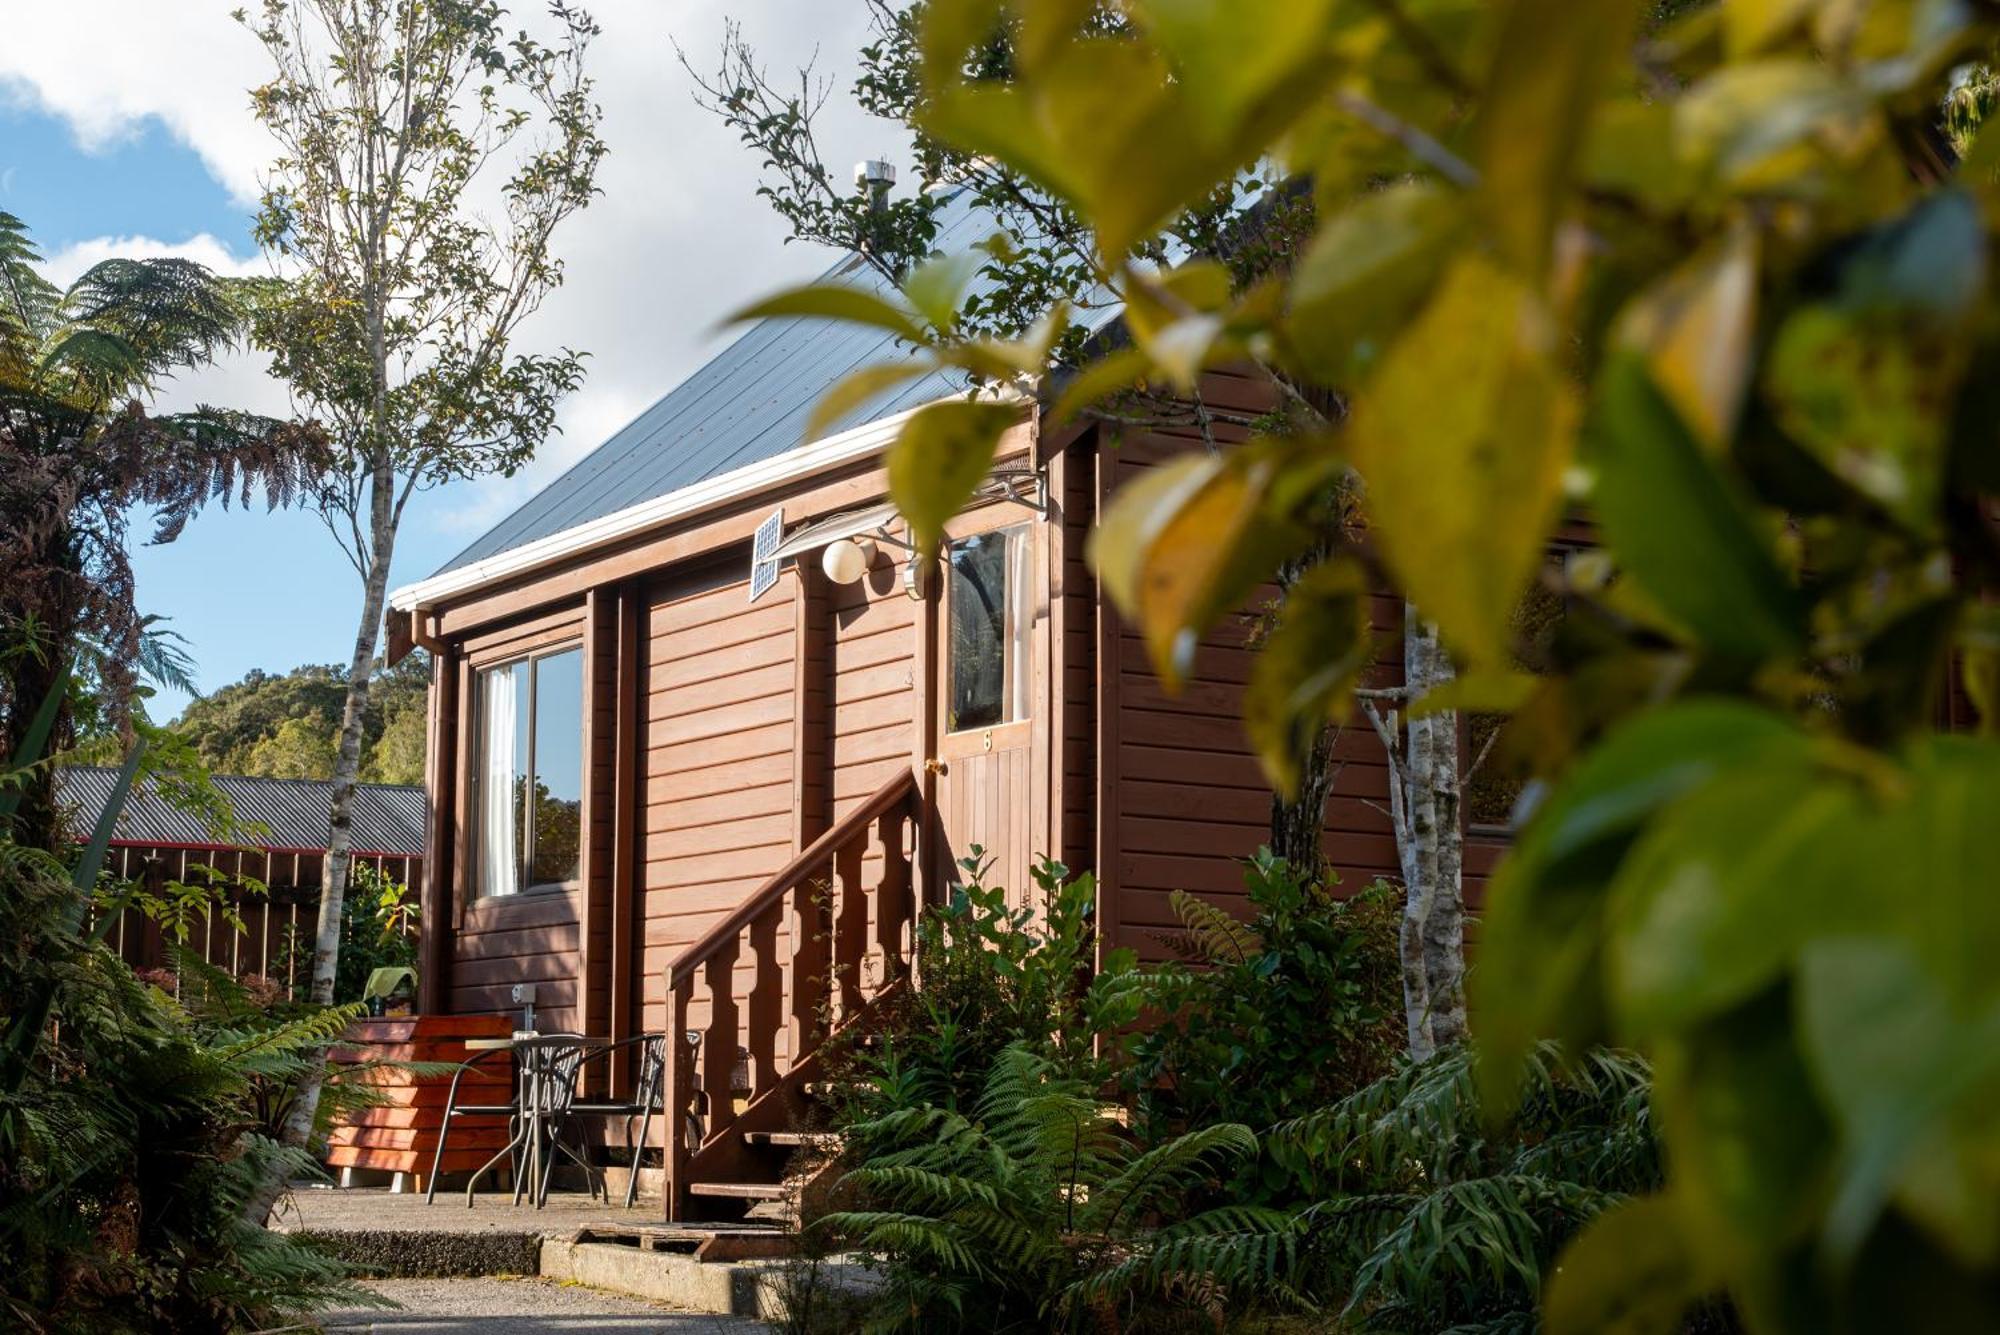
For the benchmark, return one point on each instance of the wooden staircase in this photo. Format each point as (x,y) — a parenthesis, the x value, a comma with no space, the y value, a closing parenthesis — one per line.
(755,1000)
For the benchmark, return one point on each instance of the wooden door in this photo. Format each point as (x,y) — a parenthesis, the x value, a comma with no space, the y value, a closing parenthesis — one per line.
(990,700)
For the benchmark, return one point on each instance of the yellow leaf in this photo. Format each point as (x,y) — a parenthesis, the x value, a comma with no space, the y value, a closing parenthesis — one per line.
(1120,370)
(943,453)
(1695,328)
(831,301)
(1751,25)
(1369,268)
(1462,438)
(1184,573)
(1119,543)
(937,286)
(1552,62)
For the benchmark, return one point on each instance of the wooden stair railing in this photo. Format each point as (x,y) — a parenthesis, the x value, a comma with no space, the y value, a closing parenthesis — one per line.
(802,958)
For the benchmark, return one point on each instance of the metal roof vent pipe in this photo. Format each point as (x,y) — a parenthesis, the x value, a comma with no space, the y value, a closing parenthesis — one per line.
(873,178)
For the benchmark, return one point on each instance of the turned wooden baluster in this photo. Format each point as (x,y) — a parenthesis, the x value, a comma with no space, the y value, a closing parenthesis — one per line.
(850,930)
(765,1004)
(892,901)
(812,961)
(719,1041)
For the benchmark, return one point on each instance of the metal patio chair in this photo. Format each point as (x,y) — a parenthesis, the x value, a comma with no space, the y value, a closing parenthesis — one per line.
(549,1066)
(648,1099)
(511,1110)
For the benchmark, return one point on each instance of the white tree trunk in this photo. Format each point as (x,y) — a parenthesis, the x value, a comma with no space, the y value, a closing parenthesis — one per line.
(1424,781)
(340,843)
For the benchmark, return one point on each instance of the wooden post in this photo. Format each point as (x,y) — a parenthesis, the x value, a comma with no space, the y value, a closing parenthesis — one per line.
(627,785)
(434,892)
(680,1092)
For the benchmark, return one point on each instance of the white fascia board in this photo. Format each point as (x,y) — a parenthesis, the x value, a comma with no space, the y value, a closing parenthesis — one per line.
(855,443)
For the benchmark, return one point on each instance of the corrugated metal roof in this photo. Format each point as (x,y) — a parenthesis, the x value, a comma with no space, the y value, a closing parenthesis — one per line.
(748,404)
(388,818)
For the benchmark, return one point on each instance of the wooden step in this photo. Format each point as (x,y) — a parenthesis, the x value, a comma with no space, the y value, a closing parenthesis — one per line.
(789,1138)
(742,1191)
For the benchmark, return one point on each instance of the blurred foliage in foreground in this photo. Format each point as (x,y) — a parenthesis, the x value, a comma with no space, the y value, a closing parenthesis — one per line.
(1718,286)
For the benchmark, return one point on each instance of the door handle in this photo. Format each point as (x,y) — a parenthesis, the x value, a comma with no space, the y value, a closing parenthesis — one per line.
(934,766)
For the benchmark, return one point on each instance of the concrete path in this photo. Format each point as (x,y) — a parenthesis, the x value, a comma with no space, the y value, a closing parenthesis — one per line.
(522,1307)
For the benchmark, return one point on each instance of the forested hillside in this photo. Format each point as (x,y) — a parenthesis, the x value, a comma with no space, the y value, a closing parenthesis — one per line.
(285,726)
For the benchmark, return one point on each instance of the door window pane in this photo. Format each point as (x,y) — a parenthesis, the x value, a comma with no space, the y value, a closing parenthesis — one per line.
(528,776)
(986,604)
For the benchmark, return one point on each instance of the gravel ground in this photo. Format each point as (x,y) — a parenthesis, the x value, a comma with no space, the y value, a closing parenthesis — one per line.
(522,1307)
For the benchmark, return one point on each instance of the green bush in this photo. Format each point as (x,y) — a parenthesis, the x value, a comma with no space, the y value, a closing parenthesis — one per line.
(1033,1209)
(377,929)
(1293,1009)
(993,976)
(1424,1216)
(132,1139)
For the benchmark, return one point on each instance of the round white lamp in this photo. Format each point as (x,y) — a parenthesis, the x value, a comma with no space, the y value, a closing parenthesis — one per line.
(847,560)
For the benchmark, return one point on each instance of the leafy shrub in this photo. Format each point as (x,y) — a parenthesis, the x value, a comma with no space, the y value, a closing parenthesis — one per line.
(1033,1209)
(1293,1009)
(130,1139)
(377,929)
(1425,1217)
(993,976)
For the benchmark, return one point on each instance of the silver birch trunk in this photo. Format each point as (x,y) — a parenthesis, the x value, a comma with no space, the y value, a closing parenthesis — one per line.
(1424,798)
(340,843)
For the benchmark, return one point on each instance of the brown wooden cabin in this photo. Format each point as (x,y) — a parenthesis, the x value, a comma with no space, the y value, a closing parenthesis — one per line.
(158,842)
(756,774)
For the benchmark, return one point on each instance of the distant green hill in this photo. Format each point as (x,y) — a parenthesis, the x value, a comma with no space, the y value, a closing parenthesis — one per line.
(287,726)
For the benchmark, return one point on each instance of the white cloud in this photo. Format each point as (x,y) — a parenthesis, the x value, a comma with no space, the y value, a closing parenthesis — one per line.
(677,240)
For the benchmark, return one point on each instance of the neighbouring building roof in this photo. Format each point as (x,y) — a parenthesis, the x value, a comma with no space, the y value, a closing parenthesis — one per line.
(748,404)
(388,818)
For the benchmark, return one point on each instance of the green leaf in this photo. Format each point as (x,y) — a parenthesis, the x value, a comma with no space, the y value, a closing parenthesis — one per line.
(1502,435)
(1493,692)
(1629,1272)
(1911,1080)
(1367,271)
(1300,680)
(1707,910)
(1695,328)
(941,455)
(1541,950)
(1552,62)
(1681,528)
(1751,1149)
(832,301)
(1124,369)
(1767,125)
(936,288)
(1235,56)
(860,387)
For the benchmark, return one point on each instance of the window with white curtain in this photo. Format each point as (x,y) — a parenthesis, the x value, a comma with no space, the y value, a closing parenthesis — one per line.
(528,775)
(987,610)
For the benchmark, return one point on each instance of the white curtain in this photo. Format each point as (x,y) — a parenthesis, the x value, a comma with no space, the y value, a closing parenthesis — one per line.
(498,839)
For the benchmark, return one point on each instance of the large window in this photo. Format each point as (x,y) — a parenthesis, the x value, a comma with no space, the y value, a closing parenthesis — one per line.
(986,602)
(528,784)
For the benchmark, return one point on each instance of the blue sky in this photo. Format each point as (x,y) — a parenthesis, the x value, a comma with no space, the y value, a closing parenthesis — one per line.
(246,589)
(145,145)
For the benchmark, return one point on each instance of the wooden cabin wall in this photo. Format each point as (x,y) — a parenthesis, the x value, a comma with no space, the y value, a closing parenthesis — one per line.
(1181,798)
(718,750)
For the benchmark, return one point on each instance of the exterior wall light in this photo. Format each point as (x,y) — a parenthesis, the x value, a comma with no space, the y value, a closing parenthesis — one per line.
(847,560)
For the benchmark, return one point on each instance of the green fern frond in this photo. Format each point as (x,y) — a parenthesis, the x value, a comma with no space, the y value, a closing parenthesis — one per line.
(1216,935)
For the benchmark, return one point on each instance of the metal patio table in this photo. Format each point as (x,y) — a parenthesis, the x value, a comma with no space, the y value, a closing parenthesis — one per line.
(545,1067)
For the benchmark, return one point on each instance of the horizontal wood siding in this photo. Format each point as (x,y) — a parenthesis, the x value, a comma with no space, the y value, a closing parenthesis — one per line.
(717,754)
(1192,801)
(526,938)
